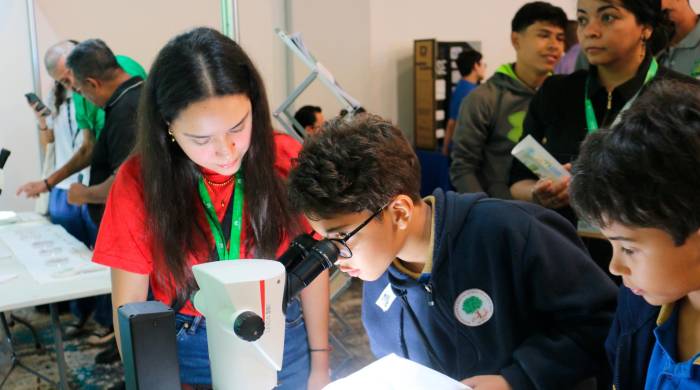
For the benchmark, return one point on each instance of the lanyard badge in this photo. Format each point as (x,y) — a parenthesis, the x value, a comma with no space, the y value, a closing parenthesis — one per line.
(233,251)
(592,122)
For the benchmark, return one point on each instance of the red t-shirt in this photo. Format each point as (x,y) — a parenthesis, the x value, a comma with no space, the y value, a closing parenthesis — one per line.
(124,241)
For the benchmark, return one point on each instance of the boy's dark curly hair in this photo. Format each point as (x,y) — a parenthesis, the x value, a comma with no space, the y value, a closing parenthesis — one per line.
(351,166)
(645,172)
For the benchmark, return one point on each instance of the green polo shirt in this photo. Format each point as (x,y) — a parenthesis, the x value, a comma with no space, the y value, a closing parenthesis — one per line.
(685,56)
(89,116)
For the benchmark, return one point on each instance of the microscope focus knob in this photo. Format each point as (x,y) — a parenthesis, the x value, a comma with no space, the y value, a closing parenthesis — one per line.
(249,326)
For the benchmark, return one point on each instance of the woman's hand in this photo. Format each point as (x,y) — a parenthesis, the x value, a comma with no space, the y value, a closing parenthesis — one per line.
(40,118)
(318,379)
(552,195)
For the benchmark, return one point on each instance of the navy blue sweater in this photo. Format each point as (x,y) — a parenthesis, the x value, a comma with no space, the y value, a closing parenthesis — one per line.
(631,340)
(552,306)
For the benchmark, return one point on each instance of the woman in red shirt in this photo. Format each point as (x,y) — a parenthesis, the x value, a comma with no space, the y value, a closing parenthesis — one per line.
(207,156)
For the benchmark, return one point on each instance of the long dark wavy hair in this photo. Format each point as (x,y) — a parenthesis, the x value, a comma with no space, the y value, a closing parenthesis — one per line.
(192,67)
(650,13)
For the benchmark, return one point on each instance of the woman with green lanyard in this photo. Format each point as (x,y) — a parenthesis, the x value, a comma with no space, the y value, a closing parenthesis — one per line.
(615,36)
(207,183)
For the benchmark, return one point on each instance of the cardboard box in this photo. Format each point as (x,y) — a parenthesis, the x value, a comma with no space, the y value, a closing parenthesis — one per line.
(435,75)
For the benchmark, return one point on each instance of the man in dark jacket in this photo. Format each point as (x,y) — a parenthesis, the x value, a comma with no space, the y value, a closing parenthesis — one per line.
(493,293)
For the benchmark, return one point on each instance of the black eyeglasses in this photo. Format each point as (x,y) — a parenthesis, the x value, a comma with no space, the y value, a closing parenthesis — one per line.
(342,244)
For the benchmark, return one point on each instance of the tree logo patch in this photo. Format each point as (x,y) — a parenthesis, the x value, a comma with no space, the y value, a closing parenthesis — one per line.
(473,307)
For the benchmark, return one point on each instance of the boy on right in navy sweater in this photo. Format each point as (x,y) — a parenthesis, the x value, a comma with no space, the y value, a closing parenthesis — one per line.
(640,182)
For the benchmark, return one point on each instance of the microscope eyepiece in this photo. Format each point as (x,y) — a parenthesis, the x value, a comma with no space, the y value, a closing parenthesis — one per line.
(305,259)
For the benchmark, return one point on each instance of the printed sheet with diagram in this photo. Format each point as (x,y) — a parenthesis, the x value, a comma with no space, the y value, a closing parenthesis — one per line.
(48,252)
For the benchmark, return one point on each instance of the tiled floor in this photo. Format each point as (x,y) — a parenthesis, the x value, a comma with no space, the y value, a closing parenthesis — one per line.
(353,337)
(87,375)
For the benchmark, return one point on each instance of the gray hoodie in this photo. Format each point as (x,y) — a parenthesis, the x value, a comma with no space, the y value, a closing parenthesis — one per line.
(489,124)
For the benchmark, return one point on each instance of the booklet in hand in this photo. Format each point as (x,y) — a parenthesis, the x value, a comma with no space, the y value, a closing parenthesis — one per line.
(538,160)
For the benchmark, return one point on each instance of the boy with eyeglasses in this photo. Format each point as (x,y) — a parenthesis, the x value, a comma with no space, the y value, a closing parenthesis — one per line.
(496,294)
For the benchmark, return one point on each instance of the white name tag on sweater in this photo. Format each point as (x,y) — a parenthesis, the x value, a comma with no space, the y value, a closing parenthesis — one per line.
(386,298)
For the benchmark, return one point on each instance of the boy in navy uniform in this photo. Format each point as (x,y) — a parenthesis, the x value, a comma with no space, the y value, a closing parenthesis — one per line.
(639,183)
(497,294)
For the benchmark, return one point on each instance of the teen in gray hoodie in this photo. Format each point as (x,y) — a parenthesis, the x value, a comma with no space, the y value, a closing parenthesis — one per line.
(490,119)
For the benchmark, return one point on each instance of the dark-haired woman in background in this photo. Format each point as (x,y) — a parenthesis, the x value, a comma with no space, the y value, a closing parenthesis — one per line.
(618,38)
(207,155)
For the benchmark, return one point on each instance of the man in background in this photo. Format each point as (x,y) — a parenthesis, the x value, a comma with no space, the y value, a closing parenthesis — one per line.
(472,69)
(683,54)
(89,117)
(100,79)
(310,118)
(490,119)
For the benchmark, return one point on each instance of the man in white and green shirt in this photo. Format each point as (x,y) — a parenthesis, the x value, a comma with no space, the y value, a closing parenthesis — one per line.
(683,54)
(88,117)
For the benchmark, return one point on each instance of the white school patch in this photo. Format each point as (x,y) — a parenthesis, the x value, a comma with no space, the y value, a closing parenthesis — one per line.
(473,307)
(386,298)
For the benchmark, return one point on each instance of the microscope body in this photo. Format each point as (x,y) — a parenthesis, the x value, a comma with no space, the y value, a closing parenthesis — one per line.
(242,302)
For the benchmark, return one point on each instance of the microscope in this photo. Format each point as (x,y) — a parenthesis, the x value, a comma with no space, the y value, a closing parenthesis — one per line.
(244,303)
(4,154)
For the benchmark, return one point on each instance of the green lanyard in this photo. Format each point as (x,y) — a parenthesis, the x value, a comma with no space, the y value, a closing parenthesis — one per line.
(592,122)
(233,252)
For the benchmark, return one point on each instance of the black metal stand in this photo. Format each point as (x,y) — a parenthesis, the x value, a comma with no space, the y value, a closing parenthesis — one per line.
(35,336)
(14,359)
(58,340)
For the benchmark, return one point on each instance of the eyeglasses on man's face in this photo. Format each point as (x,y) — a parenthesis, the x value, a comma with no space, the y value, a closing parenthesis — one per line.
(342,243)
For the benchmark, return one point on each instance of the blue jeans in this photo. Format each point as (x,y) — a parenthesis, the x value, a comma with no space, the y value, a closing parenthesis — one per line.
(74,219)
(193,353)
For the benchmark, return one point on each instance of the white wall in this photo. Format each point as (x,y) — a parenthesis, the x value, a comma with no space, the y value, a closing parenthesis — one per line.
(258,20)
(134,28)
(18,131)
(337,33)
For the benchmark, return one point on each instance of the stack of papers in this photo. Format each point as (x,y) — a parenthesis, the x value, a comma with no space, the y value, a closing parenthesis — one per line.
(7,217)
(49,253)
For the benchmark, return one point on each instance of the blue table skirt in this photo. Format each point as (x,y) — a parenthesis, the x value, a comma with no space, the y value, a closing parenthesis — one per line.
(435,171)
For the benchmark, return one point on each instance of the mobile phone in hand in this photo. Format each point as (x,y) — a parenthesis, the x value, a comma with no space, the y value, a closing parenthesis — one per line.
(40,107)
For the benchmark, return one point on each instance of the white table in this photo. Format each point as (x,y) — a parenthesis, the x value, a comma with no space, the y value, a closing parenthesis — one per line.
(23,291)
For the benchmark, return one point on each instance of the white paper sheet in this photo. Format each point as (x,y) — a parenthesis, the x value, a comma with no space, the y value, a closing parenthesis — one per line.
(49,253)
(30,216)
(393,372)
(7,277)
(7,217)
(4,251)
(440,89)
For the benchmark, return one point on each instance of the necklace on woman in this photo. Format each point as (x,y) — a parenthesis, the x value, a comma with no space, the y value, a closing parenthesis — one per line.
(224,251)
(227,181)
